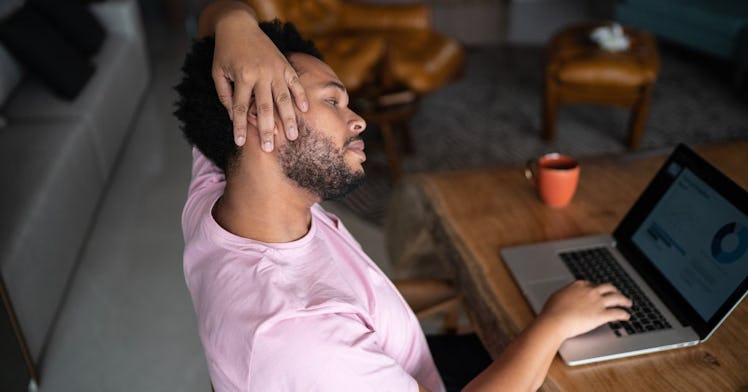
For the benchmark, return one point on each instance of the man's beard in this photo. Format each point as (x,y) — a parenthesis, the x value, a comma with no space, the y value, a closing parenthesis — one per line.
(317,165)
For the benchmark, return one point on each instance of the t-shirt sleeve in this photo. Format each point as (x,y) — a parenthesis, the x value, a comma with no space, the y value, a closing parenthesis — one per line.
(207,181)
(204,172)
(329,352)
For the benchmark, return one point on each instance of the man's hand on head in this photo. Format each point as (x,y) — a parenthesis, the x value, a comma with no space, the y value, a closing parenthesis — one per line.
(246,66)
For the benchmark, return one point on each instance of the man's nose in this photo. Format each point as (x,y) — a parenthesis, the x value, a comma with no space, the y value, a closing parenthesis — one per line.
(357,124)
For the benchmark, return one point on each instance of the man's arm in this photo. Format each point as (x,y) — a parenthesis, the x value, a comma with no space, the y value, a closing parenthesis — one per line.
(324,352)
(213,12)
(573,310)
(247,64)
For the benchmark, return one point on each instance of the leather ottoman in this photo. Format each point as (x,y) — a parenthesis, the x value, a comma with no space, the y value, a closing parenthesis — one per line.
(579,71)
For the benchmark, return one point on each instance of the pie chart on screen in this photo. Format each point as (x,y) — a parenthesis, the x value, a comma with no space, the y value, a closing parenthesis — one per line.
(730,243)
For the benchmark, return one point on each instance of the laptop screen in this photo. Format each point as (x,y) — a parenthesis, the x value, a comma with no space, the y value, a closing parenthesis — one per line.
(687,235)
(697,240)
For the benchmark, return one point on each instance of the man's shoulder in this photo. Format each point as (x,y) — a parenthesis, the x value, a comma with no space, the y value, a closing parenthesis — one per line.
(322,213)
(336,225)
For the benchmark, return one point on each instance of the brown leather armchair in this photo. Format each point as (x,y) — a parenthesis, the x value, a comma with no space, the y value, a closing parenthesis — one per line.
(372,47)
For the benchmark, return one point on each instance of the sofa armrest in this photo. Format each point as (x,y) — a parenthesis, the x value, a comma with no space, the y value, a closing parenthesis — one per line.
(11,74)
(359,16)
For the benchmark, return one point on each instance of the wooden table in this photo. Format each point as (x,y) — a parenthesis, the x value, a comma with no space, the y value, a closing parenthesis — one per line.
(469,215)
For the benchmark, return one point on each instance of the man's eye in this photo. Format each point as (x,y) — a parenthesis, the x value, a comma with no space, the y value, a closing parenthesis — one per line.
(332,101)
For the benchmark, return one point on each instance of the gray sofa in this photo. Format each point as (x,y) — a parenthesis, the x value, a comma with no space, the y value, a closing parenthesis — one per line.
(715,27)
(56,158)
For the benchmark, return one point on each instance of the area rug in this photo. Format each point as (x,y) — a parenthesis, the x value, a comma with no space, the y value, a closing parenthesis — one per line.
(491,116)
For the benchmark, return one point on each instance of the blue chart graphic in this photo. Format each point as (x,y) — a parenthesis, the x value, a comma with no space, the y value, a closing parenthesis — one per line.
(724,256)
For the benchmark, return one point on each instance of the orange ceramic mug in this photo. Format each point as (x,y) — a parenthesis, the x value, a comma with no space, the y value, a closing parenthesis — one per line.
(555,177)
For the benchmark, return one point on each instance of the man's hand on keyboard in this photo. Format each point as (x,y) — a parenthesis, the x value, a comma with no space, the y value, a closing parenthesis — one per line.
(583,306)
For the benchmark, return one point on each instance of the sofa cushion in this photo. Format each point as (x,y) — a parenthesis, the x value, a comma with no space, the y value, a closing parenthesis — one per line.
(51,187)
(40,47)
(710,26)
(74,21)
(10,76)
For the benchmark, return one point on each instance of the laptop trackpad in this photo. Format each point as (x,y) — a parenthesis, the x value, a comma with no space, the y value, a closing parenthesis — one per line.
(538,292)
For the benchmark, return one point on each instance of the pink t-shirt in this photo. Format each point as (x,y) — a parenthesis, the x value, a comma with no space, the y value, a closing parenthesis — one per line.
(314,314)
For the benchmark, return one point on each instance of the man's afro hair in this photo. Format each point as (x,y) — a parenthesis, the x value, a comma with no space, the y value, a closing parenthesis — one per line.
(205,123)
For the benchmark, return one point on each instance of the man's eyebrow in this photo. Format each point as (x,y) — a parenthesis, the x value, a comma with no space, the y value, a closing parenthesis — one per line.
(336,85)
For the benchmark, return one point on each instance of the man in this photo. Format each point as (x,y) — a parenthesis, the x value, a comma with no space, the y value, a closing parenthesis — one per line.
(295,306)
(285,297)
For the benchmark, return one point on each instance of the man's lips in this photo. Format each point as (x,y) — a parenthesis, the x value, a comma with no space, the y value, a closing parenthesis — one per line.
(357,147)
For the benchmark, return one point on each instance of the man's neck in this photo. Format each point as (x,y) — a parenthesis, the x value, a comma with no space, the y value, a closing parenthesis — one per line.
(266,212)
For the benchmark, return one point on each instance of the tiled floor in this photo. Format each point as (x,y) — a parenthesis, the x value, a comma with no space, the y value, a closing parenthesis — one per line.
(128,322)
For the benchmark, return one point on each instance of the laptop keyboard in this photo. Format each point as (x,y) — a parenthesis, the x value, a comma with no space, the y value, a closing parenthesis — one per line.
(598,265)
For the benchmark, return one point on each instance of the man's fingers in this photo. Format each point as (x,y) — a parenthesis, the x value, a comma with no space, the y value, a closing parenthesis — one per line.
(297,90)
(240,109)
(286,111)
(265,116)
(224,90)
(616,301)
(606,288)
(617,314)
(268,97)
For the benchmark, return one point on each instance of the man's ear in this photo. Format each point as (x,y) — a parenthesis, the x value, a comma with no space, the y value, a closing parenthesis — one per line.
(252,114)
(252,118)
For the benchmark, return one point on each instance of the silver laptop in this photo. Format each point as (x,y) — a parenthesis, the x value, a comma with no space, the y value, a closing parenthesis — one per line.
(680,253)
